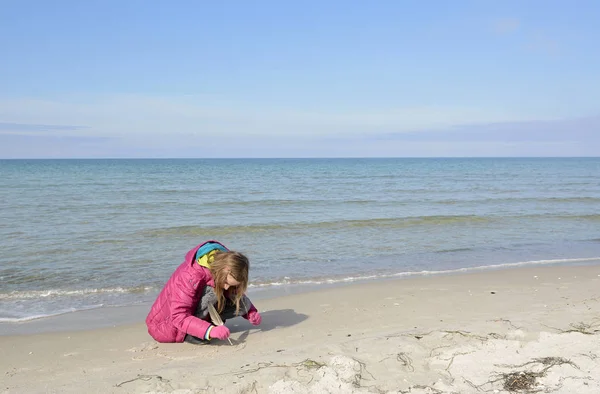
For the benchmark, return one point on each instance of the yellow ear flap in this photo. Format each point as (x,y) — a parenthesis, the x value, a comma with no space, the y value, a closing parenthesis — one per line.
(207,259)
(211,256)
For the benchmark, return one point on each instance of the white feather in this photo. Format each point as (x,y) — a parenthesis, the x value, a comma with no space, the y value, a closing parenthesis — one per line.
(216,318)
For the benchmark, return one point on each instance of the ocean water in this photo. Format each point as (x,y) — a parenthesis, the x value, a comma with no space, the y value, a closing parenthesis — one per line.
(85,234)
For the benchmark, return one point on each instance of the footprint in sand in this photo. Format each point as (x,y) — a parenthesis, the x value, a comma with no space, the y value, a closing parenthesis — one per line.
(146,346)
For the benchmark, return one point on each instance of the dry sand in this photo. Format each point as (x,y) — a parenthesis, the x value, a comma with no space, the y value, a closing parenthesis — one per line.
(482,332)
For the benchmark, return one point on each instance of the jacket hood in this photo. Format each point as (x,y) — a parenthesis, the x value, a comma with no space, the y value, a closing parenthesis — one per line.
(204,248)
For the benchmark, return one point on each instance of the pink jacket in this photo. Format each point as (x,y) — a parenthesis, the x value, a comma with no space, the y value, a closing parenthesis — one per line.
(172,314)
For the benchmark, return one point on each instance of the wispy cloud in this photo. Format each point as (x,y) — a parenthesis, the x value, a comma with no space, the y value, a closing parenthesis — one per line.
(504,26)
(28,127)
(532,40)
(584,130)
(542,43)
(55,146)
(569,137)
(137,126)
(201,116)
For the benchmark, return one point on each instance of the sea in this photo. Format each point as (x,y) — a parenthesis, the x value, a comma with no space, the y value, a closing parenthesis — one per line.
(97,235)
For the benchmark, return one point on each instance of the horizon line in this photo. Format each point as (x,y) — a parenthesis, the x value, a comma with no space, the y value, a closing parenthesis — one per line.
(300,158)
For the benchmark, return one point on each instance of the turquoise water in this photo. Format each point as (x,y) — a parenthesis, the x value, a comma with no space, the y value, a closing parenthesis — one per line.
(81,234)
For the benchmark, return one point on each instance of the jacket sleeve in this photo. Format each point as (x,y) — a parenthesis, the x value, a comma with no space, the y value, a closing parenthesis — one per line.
(183,305)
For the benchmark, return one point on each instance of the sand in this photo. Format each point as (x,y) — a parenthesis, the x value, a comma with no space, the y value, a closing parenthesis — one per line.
(484,332)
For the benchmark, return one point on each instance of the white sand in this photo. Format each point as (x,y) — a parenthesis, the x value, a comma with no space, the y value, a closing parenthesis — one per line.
(442,334)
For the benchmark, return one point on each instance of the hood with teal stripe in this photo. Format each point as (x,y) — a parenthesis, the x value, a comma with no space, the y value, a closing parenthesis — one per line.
(204,254)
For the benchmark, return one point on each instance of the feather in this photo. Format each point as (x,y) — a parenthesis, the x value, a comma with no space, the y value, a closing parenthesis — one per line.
(216,318)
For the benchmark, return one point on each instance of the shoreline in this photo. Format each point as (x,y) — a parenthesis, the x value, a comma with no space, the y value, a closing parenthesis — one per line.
(115,316)
(430,333)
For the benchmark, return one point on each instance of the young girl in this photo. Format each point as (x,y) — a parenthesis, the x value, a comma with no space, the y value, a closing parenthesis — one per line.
(210,275)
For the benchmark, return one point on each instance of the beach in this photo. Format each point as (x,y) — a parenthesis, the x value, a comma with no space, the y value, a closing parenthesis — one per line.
(473,332)
(408,194)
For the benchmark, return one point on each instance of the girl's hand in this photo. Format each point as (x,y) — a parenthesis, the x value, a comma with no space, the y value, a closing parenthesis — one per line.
(254,317)
(219,332)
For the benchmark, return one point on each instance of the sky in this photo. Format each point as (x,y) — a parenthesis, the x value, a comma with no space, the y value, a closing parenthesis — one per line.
(327,78)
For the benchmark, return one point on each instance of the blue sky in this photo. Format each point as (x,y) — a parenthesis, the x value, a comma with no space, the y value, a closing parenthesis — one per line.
(299,79)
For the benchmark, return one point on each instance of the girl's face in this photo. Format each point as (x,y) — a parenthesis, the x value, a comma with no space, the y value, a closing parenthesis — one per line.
(230,282)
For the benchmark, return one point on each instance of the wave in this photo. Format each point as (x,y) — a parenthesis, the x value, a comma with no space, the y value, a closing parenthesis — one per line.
(453,250)
(257,286)
(264,202)
(53,293)
(288,281)
(51,314)
(592,217)
(398,222)
(282,202)
(334,224)
(591,200)
(404,199)
(108,241)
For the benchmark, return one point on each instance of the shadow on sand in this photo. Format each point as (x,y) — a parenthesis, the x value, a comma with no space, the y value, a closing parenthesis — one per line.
(270,320)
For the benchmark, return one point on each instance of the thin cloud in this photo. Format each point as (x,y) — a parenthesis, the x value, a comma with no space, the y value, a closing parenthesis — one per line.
(505,26)
(542,43)
(29,127)
(27,146)
(187,126)
(533,40)
(584,130)
(139,115)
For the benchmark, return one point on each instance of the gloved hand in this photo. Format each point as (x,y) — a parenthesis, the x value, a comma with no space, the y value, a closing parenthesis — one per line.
(254,317)
(219,332)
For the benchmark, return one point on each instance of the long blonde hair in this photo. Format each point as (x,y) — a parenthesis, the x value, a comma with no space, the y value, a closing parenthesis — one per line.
(234,264)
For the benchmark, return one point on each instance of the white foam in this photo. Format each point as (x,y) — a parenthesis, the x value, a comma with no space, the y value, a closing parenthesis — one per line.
(38,294)
(42,316)
(288,281)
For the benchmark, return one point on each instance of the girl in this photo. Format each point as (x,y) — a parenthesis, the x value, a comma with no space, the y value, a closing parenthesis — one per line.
(210,275)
